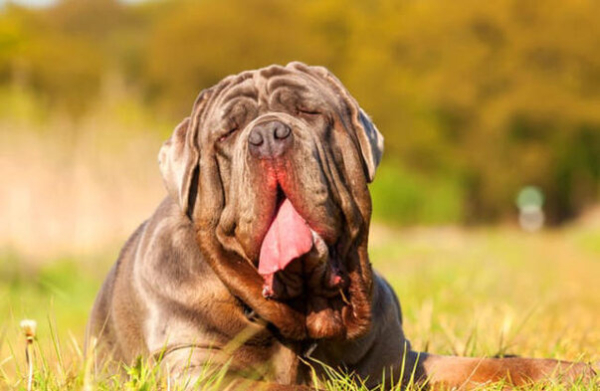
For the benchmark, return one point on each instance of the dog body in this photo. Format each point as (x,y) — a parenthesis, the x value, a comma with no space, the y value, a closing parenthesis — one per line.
(162,298)
(257,261)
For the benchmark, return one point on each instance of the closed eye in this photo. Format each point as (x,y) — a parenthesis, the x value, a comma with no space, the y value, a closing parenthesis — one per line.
(308,111)
(228,134)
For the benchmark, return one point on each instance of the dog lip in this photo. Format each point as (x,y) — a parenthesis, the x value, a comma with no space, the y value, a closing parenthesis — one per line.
(279,198)
(328,237)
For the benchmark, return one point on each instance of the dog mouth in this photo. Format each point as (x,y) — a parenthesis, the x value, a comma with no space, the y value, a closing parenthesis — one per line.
(294,258)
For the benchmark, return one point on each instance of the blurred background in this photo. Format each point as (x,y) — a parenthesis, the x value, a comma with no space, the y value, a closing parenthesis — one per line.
(476,101)
(490,112)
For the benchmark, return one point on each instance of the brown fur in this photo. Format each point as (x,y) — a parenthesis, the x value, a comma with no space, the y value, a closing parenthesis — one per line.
(186,283)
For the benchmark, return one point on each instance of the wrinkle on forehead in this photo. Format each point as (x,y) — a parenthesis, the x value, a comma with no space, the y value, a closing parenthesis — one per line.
(272,71)
(289,80)
(233,106)
(244,88)
(259,86)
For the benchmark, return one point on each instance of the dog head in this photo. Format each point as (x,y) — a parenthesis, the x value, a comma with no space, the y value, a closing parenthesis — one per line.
(272,167)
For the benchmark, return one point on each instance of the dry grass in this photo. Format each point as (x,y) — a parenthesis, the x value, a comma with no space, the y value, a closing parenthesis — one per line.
(72,188)
(496,291)
(465,292)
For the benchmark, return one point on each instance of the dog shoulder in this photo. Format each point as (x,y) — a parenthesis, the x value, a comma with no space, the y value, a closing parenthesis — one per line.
(167,244)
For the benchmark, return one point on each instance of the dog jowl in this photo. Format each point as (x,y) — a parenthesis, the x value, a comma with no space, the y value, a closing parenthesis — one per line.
(264,234)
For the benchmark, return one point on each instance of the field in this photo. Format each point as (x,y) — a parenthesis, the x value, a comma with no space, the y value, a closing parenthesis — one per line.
(465,292)
(76,191)
(477,101)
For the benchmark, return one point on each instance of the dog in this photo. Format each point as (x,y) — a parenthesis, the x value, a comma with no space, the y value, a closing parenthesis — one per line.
(257,259)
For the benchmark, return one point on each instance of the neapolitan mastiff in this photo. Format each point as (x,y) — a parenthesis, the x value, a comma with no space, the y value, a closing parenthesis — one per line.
(258,260)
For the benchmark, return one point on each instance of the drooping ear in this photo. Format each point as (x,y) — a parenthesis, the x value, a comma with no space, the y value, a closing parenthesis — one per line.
(368,137)
(371,143)
(179,158)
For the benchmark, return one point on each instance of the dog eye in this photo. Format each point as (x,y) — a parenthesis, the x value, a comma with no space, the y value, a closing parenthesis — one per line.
(228,134)
(309,112)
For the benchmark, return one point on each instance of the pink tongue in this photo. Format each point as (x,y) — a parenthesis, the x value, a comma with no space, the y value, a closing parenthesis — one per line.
(288,238)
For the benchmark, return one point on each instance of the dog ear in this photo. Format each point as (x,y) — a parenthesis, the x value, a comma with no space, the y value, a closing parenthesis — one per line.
(368,137)
(179,158)
(371,143)
(370,140)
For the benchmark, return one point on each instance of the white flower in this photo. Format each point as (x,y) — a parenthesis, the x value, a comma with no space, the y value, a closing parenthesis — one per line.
(28,326)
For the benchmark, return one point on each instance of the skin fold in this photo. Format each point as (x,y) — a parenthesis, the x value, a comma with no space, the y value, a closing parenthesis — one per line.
(186,286)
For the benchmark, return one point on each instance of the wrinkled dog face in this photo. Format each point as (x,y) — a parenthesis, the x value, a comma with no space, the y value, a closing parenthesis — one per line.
(272,166)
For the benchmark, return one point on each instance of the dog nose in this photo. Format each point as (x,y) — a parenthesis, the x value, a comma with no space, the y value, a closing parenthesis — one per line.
(269,140)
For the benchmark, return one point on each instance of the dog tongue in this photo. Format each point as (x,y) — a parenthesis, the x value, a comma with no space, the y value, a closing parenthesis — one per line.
(288,238)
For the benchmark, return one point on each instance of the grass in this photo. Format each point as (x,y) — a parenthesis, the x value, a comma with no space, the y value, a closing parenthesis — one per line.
(467,292)
(65,215)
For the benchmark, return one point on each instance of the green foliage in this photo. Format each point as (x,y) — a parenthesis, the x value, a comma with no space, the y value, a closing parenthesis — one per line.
(487,97)
(403,196)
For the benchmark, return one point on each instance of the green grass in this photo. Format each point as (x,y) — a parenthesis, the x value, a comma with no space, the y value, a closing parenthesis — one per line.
(466,292)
